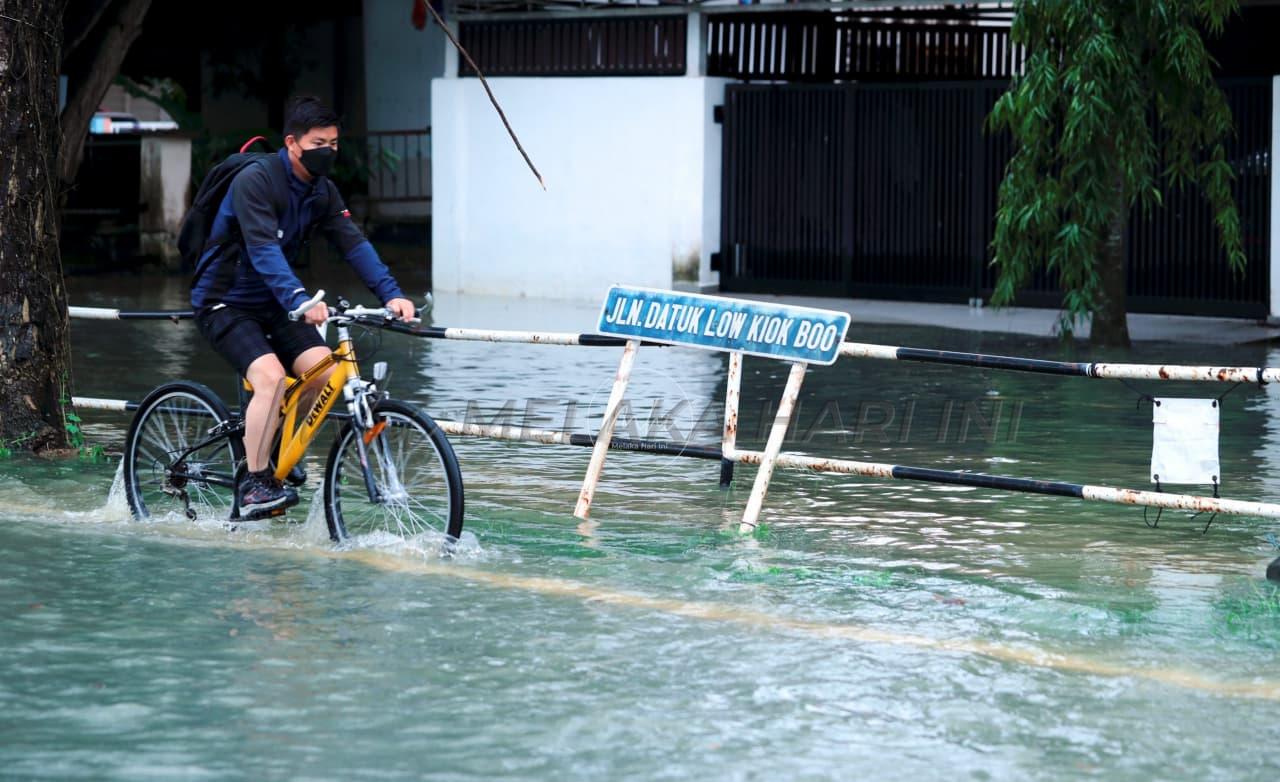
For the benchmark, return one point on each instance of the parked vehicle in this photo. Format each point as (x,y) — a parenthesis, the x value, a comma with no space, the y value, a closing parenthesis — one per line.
(109,122)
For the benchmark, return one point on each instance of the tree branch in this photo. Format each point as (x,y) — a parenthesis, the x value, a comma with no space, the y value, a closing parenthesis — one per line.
(111,40)
(73,39)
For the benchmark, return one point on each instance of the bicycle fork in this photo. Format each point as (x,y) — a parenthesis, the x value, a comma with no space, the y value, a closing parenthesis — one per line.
(368,432)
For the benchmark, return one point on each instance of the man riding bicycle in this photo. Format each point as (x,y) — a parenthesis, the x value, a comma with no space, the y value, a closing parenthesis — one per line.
(245,288)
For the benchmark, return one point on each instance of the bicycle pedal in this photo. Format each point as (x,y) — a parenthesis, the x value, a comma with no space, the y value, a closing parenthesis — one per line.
(264,514)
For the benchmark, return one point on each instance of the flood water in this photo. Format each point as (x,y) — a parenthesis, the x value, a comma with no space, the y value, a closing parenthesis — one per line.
(872,629)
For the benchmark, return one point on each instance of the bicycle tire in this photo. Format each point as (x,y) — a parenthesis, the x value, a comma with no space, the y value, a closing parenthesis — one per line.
(436,489)
(170,419)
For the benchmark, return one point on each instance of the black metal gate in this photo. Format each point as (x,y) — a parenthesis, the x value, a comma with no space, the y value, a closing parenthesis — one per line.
(889,191)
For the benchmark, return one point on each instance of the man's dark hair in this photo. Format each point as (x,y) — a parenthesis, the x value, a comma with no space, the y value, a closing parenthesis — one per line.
(307,112)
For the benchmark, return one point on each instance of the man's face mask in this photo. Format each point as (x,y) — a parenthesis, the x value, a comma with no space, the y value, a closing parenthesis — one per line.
(318,161)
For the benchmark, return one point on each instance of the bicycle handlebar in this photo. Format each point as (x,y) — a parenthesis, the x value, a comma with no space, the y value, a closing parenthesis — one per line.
(347,313)
(371,312)
(306,305)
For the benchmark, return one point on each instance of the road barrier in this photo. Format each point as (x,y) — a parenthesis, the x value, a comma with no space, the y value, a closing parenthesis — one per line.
(632,318)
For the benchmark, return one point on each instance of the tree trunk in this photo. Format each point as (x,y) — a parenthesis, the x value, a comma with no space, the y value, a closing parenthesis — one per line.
(91,75)
(1110,325)
(35,352)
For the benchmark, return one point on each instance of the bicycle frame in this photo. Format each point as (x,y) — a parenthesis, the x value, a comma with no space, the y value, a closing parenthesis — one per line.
(295,436)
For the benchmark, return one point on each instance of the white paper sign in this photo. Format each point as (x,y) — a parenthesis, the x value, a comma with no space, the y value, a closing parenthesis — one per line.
(1184,446)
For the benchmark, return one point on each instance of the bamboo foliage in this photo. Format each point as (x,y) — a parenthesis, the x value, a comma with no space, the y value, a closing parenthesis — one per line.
(1100,78)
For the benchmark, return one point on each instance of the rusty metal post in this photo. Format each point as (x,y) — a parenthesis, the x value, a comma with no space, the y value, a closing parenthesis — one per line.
(732,392)
(601,450)
(772,448)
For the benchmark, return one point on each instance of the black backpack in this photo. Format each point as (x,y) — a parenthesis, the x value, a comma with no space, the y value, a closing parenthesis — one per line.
(193,236)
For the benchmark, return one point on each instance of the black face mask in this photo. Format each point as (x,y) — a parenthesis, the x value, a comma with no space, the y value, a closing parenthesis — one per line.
(319,160)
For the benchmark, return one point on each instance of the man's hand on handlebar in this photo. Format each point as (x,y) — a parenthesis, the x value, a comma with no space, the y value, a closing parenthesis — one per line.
(317,315)
(315,312)
(401,308)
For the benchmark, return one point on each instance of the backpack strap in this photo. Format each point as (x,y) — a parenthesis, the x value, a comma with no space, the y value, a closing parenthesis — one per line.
(279,197)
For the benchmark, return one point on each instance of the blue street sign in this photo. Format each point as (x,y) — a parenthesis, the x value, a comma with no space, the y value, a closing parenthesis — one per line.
(753,327)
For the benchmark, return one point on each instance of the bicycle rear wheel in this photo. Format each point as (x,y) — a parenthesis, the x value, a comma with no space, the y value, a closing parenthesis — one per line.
(169,453)
(417,485)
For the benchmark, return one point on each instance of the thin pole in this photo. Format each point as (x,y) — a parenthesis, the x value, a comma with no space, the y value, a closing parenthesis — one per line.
(485,83)
(1082,491)
(772,448)
(732,393)
(1099,371)
(601,450)
(556,437)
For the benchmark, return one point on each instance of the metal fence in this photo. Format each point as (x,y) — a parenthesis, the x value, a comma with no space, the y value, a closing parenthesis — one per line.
(399,165)
(889,191)
(618,46)
(387,167)
(823,47)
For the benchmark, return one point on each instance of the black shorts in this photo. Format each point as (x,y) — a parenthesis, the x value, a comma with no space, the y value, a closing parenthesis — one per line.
(243,336)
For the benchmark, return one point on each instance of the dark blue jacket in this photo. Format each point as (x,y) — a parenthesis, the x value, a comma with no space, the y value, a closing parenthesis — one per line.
(268,241)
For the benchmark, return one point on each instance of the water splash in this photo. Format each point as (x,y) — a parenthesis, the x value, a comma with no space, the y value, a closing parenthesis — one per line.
(315,530)
(425,546)
(117,507)
(211,525)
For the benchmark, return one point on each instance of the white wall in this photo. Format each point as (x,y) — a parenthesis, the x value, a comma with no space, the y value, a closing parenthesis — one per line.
(165,179)
(632,166)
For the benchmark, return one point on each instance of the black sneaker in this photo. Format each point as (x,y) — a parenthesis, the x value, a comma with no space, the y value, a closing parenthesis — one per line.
(259,495)
(290,494)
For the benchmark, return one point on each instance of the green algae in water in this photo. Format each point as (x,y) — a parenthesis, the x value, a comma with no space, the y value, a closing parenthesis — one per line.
(1250,613)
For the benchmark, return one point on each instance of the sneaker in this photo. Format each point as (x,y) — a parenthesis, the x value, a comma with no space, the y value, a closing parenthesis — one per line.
(258,495)
(291,496)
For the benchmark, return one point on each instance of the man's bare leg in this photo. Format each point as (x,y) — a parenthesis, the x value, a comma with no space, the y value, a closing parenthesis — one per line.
(309,358)
(262,414)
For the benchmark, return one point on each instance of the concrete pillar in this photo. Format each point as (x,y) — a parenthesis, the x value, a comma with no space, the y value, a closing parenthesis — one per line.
(450,51)
(165,179)
(695,57)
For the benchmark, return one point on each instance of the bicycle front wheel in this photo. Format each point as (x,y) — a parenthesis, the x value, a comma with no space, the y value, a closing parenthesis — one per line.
(412,485)
(172,463)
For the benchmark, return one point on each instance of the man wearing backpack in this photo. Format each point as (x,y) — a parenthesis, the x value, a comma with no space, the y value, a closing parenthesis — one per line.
(244,287)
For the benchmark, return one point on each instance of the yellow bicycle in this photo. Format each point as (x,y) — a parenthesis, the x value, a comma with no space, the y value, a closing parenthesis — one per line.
(390,469)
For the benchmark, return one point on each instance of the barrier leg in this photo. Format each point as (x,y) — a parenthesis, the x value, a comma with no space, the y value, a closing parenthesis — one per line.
(1273,570)
(733,386)
(772,448)
(605,435)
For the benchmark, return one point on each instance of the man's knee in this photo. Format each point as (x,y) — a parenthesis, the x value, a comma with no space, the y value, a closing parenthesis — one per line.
(266,374)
